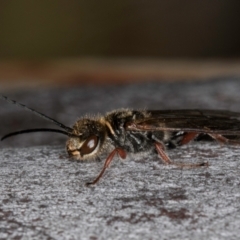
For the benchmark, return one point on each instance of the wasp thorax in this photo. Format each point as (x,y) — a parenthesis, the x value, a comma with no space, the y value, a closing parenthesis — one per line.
(90,135)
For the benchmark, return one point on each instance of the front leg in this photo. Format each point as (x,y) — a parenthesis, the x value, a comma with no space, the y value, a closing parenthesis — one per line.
(109,159)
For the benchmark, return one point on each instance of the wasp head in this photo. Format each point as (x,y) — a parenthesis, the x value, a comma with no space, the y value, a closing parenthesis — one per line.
(90,135)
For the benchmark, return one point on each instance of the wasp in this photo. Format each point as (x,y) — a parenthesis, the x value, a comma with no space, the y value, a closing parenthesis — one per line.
(133,131)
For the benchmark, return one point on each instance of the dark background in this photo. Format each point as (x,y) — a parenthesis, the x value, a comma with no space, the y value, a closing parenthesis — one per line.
(127,28)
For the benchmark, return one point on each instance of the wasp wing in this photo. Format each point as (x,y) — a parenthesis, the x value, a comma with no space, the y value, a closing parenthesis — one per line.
(200,121)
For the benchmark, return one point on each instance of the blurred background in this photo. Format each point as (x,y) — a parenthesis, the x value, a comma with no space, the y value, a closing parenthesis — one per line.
(71,42)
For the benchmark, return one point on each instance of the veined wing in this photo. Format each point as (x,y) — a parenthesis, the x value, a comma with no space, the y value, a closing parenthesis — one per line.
(201,121)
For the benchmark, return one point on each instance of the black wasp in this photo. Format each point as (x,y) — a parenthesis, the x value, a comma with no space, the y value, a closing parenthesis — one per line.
(128,131)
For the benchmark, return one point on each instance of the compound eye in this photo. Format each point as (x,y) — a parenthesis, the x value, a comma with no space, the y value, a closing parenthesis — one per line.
(89,145)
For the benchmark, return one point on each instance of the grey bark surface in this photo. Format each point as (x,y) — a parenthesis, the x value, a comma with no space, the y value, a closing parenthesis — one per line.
(43,194)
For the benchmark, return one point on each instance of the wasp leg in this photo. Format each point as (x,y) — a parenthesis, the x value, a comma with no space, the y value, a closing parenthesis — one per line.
(160,149)
(223,140)
(188,137)
(219,138)
(109,159)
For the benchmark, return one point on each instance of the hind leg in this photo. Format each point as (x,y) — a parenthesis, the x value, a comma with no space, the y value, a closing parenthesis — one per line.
(223,140)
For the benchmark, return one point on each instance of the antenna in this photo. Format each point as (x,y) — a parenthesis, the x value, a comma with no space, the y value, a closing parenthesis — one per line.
(68,129)
(37,130)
